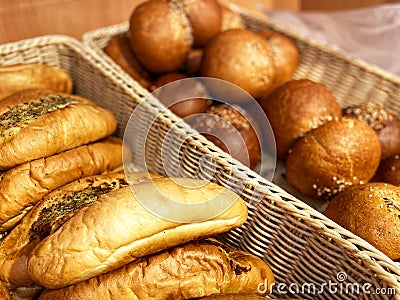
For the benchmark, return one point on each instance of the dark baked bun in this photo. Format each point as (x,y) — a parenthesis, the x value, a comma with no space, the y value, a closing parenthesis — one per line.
(118,229)
(231,129)
(296,107)
(284,53)
(383,122)
(21,77)
(241,57)
(389,171)
(120,51)
(19,186)
(371,211)
(160,35)
(205,19)
(333,157)
(48,125)
(231,19)
(184,97)
(189,271)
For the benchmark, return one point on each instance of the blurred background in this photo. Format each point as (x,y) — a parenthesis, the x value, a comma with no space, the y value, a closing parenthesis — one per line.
(28,18)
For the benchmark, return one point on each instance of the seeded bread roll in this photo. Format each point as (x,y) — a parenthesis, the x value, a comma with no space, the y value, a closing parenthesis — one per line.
(189,271)
(48,125)
(23,186)
(296,107)
(20,77)
(371,211)
(160,35)
(20,97)
(119,49)
(333,157)
(389,171)
(383,122)
(118,229)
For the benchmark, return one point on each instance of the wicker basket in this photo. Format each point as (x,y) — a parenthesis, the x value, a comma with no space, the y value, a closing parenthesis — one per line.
(299,243)
(303,247)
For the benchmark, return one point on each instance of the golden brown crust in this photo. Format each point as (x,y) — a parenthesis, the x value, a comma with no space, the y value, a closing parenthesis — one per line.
(119,49)
(241,57)
(295,108)
(183,272)
(231,19)
(205,20)
(21,97)
(371,211)
(20,77)
(160,35)
(26,184)
(49,125)
(107,236)
(333,157)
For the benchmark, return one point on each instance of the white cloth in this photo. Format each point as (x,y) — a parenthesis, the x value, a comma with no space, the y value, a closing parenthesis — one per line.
(372,33)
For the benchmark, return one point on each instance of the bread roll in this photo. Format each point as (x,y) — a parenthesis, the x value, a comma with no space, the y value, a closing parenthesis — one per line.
(205,20)
(118,229)
(48,125)
(23,186)
(20,77)
(160,35)
(385,124)
(371,211)
(333,157)
(184,272)
(241,57)
(389,171)
(295,108)
(231,19)
(192,64)
(119,49)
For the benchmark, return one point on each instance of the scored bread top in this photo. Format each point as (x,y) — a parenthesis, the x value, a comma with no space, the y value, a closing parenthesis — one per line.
(48,125)
(117,229)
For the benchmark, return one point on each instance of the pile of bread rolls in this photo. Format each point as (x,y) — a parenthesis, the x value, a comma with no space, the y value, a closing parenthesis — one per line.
(174,40)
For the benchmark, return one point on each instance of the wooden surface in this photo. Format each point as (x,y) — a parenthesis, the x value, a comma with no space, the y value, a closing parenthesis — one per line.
(21,19)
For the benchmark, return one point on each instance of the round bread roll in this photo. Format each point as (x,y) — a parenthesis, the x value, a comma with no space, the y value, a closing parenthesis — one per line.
(160,35)
(183,97)
(284,53)
(241,57)
(120,51)
(231,129)
(371,211)
(389,171)
(231,19)
(119,228)
(189,271)
(23,186)
(48,125)
(205,19)
(21,77)
(383,122)
(333,157)
(296,107)
(193,62)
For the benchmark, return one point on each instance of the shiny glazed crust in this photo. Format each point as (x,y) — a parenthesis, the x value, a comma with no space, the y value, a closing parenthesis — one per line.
(192,270)
(118,229)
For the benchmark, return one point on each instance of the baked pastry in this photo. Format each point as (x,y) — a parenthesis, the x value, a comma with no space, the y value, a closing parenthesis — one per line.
(231,19)
(296,107)
(231,129)
(160,35)
(285,55)
(333,157)
(23,186)
(48,125)
(205,20)
(382,121)
(192,65)
(126,224)
(240,57)
(183,97)
(389,171)
(120,51)
(20,97)
(15,78)
(371,211)
(189,271)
